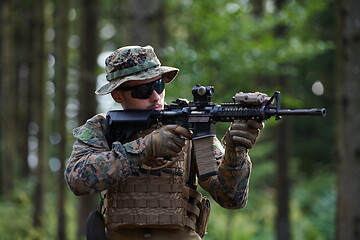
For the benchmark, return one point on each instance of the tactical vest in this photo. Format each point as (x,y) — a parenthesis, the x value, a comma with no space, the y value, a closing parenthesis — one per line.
(158,197)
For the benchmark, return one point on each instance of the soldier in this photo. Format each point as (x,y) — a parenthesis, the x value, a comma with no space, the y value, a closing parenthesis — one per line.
(145,198)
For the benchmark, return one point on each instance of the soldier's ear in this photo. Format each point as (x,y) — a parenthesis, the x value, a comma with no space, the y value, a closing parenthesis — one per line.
(117,96)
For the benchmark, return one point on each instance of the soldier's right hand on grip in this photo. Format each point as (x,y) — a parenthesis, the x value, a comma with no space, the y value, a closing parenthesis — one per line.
(166,141)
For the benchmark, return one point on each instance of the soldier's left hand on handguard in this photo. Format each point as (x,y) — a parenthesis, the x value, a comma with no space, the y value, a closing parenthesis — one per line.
(246,132)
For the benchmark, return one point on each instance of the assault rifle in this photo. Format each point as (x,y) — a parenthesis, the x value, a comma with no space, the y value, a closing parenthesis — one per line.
(200,115)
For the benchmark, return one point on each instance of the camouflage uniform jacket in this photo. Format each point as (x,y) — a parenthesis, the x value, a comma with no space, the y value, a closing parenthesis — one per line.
(94,167)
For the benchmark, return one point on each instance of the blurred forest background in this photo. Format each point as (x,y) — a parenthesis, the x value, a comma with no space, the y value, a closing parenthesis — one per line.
(305,182)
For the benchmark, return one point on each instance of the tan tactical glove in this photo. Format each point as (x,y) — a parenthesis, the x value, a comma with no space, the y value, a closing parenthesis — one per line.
(245,132)
(166,141)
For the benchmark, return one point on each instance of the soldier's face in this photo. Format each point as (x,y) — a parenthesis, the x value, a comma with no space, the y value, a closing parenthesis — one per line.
(134,98)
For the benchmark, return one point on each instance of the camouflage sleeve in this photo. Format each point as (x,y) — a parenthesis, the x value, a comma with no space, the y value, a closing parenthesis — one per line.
(92,166)
(230,187)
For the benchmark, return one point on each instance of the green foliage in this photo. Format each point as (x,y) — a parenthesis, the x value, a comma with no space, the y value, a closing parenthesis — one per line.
(312,210)
(224,45)
(313,207)
(16,210)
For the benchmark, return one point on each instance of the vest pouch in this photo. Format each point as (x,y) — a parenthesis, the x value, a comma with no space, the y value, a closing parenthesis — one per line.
(95,226)
(203,219)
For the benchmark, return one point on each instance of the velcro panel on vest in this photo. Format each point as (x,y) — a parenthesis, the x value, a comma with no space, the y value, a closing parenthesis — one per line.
(149,203)
(154,203)
(153,220)
(161,188)
(174,218)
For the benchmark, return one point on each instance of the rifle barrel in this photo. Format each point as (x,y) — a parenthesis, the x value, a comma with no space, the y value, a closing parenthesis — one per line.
(311,112)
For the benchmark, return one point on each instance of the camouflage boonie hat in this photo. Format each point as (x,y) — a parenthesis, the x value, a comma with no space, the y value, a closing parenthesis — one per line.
(134,63)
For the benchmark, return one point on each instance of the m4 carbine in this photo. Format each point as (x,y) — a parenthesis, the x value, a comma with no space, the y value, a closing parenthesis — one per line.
(200,115)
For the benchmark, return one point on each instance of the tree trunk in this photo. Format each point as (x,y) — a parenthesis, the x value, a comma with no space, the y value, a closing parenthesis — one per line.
(39,107)
(258,7)
(348,112)
(283,156)
(8,100)
(88,63)
(144,23)
(22,63)
(14,71)
(2,62)
(282,180)
(61,76)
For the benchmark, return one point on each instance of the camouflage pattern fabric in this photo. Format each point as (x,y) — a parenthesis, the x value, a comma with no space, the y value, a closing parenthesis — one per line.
(94,167)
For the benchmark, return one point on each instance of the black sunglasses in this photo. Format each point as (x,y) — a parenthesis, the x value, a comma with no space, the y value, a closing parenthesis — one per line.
(145,90)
